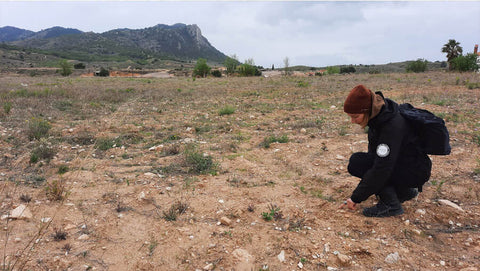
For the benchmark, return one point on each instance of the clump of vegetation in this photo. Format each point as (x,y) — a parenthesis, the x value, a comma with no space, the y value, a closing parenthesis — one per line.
(273,213)
(56,190)
(333,70)
(7,107)
(272,139)
(198,162)
(59,234)
(25,198)
(216,73)
(104,143)
(227,110)
(201,68)
(420,65)
(176,209)
(65,68)
(62,169)
(43,151)
(38,128)
(349,69)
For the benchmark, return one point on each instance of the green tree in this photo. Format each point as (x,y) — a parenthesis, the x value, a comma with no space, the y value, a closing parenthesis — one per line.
(417,66)
(453,49)
(465,63)
(201,68)
(249,69)
(65,68)
(231,64)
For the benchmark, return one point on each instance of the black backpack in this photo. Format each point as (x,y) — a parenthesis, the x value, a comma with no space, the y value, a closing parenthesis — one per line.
(433,134)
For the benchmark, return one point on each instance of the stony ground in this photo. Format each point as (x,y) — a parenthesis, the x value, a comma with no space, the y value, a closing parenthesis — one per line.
(223,174)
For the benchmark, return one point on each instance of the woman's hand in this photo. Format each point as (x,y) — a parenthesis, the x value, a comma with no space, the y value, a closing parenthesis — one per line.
(349,204)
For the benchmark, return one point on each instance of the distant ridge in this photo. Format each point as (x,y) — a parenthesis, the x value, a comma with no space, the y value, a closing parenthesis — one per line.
(177,42)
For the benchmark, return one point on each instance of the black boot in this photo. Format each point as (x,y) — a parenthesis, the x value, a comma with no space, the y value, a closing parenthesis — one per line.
(388,205)
(406,194)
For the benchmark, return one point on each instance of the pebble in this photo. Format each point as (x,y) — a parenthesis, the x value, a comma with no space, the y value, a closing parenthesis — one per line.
(281,256)
(420,211)
(392,258)
(225,221)
(451,204)
(208,266)
(83,237)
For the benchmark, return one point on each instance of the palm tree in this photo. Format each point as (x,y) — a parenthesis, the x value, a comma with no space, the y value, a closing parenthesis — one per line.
(453,50)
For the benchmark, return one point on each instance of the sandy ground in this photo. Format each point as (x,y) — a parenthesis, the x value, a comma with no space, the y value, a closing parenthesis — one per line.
(260,208)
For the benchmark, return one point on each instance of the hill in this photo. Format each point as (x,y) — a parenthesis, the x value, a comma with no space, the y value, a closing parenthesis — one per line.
(177,42)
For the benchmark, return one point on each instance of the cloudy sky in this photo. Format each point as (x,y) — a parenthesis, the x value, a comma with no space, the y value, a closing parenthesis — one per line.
(313,33)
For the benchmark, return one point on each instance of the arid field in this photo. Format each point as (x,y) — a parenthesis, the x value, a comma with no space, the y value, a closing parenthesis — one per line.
(223,174)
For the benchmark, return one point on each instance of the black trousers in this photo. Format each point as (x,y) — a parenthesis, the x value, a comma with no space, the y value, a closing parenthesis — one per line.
(402,178)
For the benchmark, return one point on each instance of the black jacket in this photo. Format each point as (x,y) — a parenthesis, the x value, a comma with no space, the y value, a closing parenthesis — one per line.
(398,160)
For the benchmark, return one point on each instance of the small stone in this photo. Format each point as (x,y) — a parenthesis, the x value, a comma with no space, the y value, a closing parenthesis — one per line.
(392,258)
(208,266)
(303,131)
(225,221)
(300,265)
(344,259)
(281,256)
(442,263)
(141,196)
(420,211)
(84,237)
(340,157)
(21,212)
(451,204)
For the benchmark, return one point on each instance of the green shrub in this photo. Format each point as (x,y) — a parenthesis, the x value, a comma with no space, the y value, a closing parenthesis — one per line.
(216,73)
(272,139)
(198,162)
(349,69)
(417,66)
(333,70)
(38,128)
(7,107)
(43,151)
(227,110)
(65,68)
(104,144)
(103,72)
(79,66)
(465,63)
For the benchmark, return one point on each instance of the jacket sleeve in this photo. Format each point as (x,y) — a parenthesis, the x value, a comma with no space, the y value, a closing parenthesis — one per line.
(386,152)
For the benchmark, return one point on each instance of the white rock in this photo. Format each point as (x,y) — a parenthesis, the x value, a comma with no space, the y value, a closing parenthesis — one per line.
(451,204)
(281,256)
(141,196)
(208,266)
(392,258)
(21,212)
(242,255)
(340,157)
(84,237)
(420,211)
(300,265)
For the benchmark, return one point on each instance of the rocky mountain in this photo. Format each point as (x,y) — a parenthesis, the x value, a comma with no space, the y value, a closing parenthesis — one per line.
(10,33)
(178,42)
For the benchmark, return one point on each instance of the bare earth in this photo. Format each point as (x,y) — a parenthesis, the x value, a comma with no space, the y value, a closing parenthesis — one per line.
(114,212)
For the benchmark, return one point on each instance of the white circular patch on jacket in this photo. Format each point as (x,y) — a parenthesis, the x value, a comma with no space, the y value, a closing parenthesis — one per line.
(383,150)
